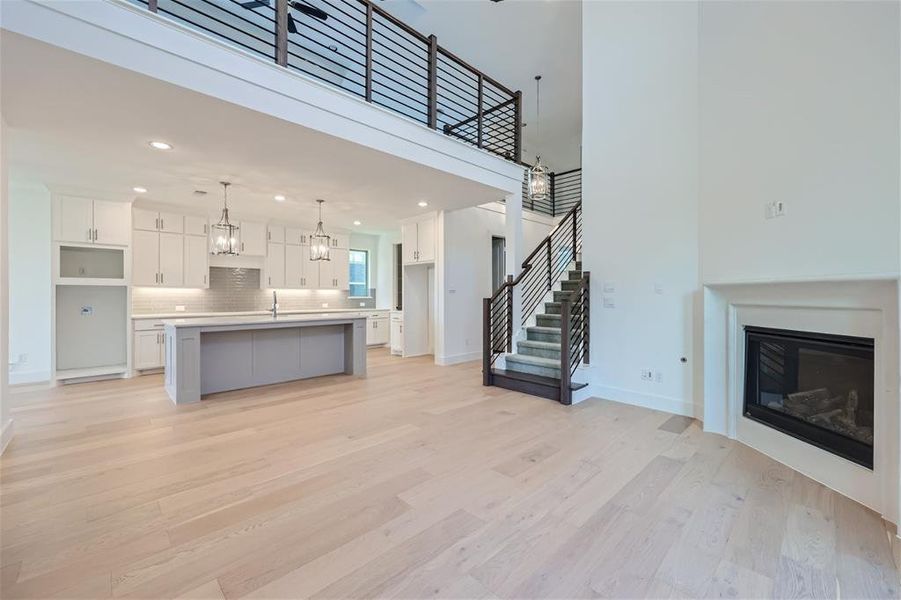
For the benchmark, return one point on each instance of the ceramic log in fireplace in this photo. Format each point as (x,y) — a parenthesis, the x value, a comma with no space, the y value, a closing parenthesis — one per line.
(816,387)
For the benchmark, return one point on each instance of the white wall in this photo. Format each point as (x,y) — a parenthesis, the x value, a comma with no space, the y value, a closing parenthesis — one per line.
(384,276)
(6,423)
(701,114)
(640,189)
(29,283)
(799,103)
(467,237)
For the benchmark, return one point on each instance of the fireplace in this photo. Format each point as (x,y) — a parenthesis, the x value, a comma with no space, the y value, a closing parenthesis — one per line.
(816,387)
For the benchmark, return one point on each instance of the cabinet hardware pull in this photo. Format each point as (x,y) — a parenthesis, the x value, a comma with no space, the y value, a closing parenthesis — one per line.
(95,235)
(204,278)
(162,224)
(157,222)
(156,278)
(162,277)
(269,235)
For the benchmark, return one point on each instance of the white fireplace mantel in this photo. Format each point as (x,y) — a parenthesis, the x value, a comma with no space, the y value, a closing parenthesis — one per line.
(856,308)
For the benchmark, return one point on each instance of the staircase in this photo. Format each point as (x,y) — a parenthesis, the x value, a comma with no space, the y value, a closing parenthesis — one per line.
(554,294)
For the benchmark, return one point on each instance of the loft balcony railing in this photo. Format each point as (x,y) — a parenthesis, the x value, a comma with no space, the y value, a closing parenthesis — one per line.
(566,192)
(361,49)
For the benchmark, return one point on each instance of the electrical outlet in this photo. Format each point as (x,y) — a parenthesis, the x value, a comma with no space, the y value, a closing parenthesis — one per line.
(179,308)
(647,374)
(609,302)
(774,209)
(362,304)
(658,376)
(325,305)
(609,287)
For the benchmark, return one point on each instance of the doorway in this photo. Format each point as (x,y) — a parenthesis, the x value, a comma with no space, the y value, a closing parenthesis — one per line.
(498,261)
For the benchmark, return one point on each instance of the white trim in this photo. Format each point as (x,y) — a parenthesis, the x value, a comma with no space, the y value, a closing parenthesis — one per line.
(28,377)
(456,359)
(889,276)
(668,404)
(6,435)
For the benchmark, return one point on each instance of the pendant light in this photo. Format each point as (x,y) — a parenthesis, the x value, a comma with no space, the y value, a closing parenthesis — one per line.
(539,176)
(225,235)
(319,241)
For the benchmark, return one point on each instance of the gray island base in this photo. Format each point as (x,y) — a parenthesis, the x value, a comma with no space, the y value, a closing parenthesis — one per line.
(205,356)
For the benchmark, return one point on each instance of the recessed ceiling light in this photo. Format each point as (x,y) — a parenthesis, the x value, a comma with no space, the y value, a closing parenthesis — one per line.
(140,190)
(423,203)
(161,145)
(357,223)
(279,198)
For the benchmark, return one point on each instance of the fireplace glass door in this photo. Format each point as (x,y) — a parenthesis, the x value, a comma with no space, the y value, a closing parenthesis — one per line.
(816,387)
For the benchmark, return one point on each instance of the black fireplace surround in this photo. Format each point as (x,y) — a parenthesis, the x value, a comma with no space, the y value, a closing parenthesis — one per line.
(816,387)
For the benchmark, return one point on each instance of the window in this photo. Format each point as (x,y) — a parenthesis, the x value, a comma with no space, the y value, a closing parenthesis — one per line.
(359,274)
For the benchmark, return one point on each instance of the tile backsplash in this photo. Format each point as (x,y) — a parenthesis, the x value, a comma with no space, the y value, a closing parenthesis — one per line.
(236,290)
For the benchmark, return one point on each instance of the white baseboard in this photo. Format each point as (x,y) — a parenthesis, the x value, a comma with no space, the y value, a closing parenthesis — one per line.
(6,435)
(20,377)
(456,359)
(668,404)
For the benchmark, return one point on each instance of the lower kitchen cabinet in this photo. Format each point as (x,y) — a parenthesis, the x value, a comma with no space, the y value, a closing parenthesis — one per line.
(378,330)
(149,346)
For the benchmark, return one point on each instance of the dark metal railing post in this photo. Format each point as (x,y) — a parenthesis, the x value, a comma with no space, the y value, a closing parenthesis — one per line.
(517,135)
(553,195)
(565,392)
(480,108)
(368,51)
(550,267)
(487,348)
(509,322)
(575,235)
(586,322)
(433,82)
(281,32)
(153,5)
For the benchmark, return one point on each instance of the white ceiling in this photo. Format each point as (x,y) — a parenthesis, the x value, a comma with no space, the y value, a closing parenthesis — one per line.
(512,41)
(82,126)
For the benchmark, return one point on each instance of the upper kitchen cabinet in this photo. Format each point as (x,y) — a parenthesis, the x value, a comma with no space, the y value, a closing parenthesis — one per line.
(295,236)
(88,221)
(253,238)
(339,240)
(152,220)
(195,225)
(419,240)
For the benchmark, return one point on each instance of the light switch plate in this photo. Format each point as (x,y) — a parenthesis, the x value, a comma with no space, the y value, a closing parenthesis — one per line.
(609,302)
(609,287)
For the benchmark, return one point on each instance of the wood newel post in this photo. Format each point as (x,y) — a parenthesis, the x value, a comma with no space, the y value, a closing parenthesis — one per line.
(486,341)
(433,82)
(281,32)
(565,394)
(368,51)
(479,113)
(509,313)
(153,5)
(517,135)
(586,320)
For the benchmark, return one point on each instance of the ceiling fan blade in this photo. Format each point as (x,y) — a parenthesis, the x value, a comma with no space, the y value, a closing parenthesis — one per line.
(253,4)
(292,26)
(310,11)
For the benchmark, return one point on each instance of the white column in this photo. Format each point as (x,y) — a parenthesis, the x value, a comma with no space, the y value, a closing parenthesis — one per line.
(5,419)
(514,249)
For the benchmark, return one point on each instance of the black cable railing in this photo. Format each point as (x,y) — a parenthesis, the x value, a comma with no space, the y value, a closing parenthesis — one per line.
(362,49)
(541,271)
(565,192)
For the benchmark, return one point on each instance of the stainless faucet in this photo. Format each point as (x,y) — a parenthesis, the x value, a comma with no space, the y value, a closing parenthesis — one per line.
(274,309)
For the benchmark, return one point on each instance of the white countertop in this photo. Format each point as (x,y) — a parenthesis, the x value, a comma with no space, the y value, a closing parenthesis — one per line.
(263,320)
(201,315)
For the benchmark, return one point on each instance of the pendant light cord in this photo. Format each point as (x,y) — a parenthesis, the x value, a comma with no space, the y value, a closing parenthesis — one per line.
(538,104)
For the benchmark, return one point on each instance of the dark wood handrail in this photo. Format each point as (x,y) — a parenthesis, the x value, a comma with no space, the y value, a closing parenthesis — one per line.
(527,264)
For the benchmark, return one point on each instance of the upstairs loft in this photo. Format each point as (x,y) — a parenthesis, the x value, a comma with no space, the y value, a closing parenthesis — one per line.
(359,48)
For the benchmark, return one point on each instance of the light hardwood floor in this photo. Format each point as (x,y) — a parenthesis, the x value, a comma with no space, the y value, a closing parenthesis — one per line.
(416,482)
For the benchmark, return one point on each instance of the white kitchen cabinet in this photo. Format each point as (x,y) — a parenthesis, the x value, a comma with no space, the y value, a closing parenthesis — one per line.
(148,349)
(298,268)
(153,220)
(377,329)
(172,259)
(276,234)
(275,265)
(339,240)
(112,223)
(253,238)
(91,221)
(397,333)
(145,258)
(296,236)
(419,240)
(196,225)
(158,259)
(334,274)
(197,261)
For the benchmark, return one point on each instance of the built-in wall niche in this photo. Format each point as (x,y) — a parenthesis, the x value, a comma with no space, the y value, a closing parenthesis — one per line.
(83,262)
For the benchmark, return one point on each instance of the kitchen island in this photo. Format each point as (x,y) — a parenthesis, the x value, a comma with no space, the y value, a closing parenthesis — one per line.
(208,355)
